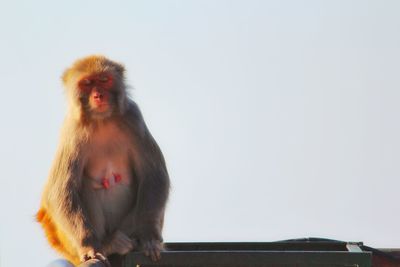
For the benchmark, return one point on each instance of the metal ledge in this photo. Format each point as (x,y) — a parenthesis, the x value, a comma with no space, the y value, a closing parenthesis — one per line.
(271,254)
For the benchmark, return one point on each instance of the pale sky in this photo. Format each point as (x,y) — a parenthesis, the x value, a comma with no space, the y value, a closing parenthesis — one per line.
(278,119)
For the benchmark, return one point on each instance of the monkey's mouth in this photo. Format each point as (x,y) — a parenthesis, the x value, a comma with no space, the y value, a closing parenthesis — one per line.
(100,107)
(99,104)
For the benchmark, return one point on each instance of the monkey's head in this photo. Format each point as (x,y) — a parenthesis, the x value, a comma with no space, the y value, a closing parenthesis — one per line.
(95,88)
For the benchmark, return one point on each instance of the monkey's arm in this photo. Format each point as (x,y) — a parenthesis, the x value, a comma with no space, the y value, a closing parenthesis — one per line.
(62,198)
(152,192)
(145,221)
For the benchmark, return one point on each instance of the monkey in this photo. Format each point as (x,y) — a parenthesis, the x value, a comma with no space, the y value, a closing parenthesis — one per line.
(107,188)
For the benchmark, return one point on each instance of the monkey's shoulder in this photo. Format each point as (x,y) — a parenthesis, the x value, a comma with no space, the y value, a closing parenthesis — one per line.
(132,121)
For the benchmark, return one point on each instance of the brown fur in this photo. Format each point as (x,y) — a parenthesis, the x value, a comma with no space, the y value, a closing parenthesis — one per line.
(74,214)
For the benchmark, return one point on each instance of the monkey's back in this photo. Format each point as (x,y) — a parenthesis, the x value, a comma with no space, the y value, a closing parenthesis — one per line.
(56,237)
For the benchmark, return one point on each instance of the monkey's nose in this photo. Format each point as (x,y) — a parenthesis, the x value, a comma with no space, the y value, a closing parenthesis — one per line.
(98,96)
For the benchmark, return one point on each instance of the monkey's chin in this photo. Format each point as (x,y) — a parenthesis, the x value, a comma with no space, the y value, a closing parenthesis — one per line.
(101,112)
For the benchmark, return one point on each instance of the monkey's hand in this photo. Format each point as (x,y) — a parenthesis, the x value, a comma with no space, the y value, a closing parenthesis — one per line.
(90,253)
(152,248)
(120,243)
(150,241)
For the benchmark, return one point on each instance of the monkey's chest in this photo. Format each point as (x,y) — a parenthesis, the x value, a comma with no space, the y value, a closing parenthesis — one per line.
(108,167)
(108,174)
(108,177)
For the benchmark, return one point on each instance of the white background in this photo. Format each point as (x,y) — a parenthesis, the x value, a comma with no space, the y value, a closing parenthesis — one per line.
(278,119)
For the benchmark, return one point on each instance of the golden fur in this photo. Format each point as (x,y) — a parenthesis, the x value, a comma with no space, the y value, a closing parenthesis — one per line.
(72,211)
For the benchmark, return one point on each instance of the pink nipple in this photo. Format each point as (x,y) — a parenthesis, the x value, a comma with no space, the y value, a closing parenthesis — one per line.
(106,183)
(117,177)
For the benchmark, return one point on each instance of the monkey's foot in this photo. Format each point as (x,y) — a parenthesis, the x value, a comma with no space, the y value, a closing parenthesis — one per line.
(92,255)
(93,263)
(152,248)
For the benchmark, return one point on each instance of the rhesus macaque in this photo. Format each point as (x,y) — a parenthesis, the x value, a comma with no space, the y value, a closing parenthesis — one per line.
(108,185)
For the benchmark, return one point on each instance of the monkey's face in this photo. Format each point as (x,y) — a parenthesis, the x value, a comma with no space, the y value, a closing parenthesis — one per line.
(95,88)
(97,94)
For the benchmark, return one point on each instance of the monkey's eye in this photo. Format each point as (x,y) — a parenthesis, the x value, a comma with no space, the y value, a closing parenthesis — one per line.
(103,79)
(85,85)
(86,82)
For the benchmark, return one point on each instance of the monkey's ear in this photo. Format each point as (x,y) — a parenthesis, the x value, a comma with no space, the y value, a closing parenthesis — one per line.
(120,69)
(66,75)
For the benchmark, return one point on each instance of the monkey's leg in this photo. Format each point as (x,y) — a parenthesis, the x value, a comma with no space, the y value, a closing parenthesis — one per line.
(95,213)
(117,242)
